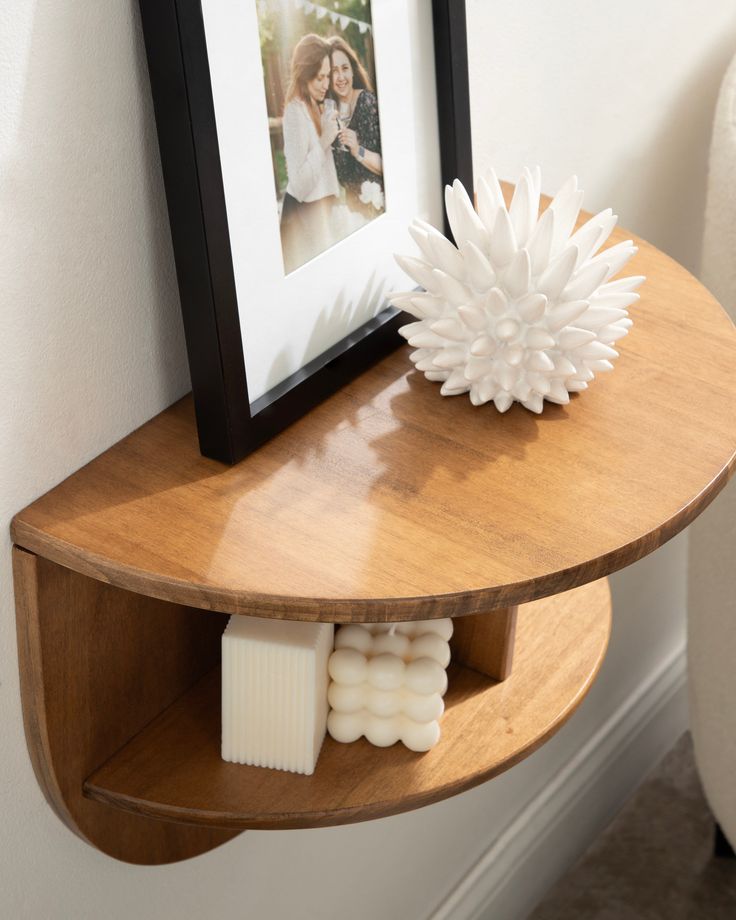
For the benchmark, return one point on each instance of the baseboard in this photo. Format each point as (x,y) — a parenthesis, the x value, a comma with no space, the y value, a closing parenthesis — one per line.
(556,827)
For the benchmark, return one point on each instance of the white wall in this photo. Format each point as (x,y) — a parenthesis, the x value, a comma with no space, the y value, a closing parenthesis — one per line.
(91,346)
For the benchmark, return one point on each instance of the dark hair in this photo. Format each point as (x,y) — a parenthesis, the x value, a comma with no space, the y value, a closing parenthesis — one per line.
(306,61)
(361,80)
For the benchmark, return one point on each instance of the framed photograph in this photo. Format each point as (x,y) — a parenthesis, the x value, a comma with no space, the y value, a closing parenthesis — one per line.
(298,139)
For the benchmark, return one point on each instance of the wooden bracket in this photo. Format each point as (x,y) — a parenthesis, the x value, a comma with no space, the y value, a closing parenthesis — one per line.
(485,642)
(121,705)
(97,664)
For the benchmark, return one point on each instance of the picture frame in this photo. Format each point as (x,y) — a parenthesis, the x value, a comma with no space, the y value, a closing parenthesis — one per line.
(233,419)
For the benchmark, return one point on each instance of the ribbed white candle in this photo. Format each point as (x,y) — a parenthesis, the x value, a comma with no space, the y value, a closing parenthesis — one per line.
(274,692)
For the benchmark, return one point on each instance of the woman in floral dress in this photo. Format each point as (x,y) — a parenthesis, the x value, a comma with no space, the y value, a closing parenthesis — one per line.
(357,150)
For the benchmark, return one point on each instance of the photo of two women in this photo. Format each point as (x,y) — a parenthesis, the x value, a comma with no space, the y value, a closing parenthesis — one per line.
(319,75)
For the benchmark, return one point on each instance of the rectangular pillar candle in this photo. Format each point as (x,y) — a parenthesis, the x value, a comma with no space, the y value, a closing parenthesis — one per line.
(274,692)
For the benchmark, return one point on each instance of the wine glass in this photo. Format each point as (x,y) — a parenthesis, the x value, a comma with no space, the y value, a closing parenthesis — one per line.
(329,106)
(343,117)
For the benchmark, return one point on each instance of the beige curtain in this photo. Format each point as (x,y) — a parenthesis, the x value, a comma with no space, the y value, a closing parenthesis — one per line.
(712,591)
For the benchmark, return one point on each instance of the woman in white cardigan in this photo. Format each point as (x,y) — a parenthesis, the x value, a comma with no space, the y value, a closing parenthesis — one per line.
(312,189)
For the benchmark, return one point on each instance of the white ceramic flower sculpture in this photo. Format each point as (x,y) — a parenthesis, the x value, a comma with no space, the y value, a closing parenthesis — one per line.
(520,310)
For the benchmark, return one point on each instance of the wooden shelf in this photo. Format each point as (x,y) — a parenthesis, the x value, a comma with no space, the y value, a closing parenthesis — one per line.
(172,769)
(431,506)
(385,503)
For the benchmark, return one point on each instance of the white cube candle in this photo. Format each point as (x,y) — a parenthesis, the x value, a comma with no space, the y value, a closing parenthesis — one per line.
(388,681)
(274,692)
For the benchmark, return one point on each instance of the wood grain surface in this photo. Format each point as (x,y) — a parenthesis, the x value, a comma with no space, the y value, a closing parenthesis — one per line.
(172,769)
(390,502)
(96,665)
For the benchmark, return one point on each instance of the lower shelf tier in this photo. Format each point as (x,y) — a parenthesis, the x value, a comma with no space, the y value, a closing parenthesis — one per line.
(172,769)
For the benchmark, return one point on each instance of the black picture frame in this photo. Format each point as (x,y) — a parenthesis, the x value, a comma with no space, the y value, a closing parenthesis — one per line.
(229,426)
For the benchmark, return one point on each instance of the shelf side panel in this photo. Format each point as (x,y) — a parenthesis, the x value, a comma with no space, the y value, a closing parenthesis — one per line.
(97,664)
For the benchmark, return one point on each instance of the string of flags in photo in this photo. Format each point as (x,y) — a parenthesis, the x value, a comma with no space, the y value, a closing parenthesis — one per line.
(321,11)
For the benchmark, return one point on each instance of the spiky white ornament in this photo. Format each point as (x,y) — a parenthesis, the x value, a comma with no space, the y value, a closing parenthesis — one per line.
(520,310)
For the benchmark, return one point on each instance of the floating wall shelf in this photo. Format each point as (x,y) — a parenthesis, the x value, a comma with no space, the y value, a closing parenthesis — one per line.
(387,502)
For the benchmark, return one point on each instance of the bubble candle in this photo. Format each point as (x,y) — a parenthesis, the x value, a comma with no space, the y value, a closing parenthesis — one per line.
(388,681)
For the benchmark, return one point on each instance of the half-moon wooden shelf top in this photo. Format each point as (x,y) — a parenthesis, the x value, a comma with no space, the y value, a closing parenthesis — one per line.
(172,769)
(389,501)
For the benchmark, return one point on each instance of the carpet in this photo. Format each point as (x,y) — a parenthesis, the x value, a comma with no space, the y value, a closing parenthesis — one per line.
(655,860)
